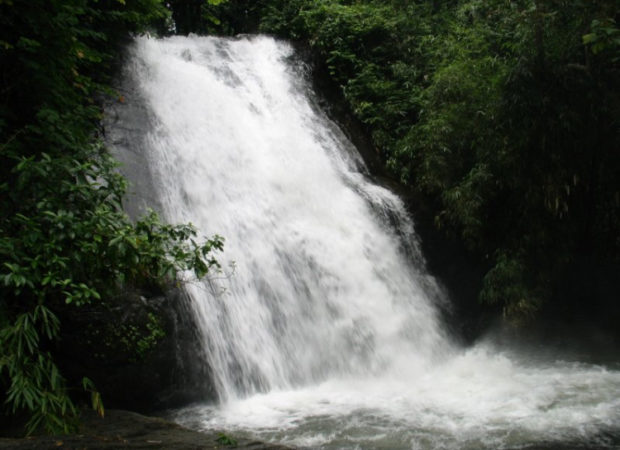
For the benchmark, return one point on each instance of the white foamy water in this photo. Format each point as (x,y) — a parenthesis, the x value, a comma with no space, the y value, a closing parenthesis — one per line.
(476,400)
(327,334)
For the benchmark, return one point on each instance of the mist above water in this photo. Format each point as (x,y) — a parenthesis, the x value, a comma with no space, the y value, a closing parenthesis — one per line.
(327,334)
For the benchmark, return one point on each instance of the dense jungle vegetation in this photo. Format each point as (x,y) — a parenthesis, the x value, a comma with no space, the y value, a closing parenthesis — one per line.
(501,116)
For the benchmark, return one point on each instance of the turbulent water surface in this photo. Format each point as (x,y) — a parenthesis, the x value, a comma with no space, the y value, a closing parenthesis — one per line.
(326,333)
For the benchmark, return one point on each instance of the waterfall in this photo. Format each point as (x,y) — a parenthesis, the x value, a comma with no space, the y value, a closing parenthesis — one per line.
(323,328)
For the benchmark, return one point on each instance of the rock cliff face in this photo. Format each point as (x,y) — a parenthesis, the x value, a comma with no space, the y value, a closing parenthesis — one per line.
(143,353)
(125,120)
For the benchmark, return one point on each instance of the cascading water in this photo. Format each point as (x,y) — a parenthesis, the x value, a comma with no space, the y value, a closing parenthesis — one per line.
(327,333)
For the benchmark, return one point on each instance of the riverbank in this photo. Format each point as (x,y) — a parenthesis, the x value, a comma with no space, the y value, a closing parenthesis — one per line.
(129,430)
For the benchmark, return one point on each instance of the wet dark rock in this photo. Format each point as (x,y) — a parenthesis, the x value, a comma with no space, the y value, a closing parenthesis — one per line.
(131,365)
(128,430)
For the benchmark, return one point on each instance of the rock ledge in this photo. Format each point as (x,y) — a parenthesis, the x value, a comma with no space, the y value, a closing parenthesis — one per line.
(128,430)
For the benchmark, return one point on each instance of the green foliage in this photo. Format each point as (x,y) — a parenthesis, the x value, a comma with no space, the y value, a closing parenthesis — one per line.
(95,397)
(119,332)
(224,439)
(137,340)
(507,283)
(36,384)
(65,241)
(223,17)
(282,17)
(604,37)
(509,144)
